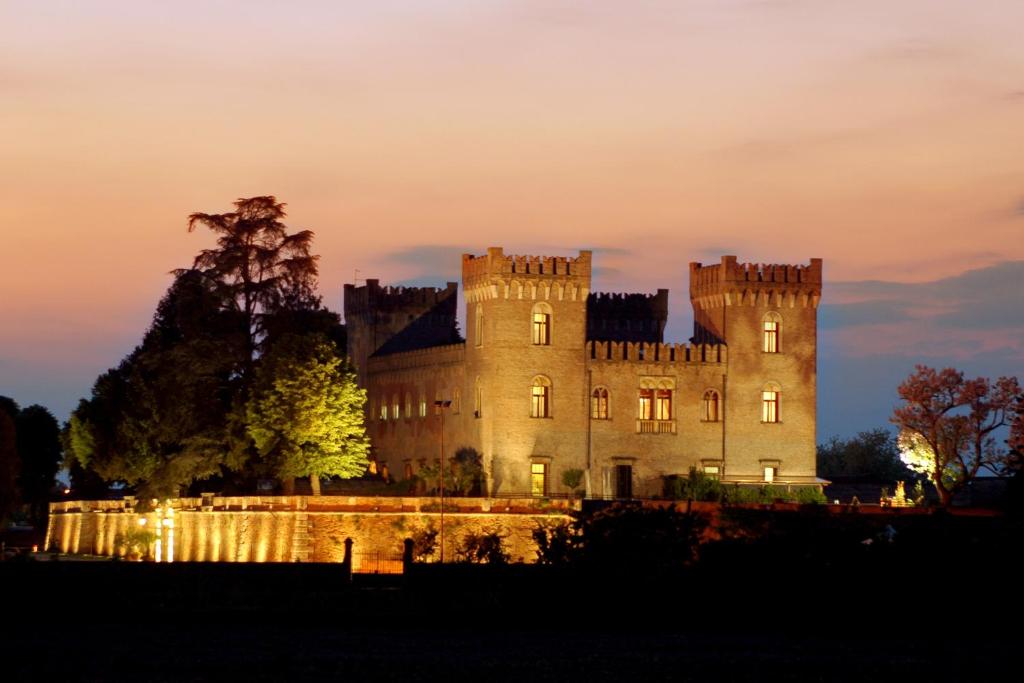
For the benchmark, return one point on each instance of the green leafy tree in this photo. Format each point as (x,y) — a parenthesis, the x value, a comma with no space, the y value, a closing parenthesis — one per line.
(572,478)
(158,421)
(305,412)
(948,425)
(870,455)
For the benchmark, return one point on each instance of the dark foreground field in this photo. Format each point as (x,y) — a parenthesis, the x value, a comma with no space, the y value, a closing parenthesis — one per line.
(806,601)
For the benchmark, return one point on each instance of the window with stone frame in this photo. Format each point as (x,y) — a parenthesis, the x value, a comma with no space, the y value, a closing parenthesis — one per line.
(538,479)
(541,324)
(771,332)
(710,407)
(770,403)
(540,397)
(599,404)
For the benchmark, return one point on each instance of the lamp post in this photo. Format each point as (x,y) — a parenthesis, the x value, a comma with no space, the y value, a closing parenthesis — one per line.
(440,406)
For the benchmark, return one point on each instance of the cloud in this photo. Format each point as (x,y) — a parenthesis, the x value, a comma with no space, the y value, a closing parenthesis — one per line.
(982,299)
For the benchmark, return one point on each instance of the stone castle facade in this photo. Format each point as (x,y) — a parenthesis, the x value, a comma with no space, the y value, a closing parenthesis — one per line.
(554,377)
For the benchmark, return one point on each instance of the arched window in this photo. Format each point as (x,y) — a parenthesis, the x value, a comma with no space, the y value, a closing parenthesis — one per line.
(770,402)
(478,326)
(408,406)
(599,404)
(423,405)
(541,321)
(540,397)
(710,406)
(396,410)
(772,330)
(383,409)
(478,399)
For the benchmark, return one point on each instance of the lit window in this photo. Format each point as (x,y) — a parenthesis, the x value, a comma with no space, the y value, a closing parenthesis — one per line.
(663,404)
(538,478)
(396,410)
(540,329)
(456,401)
(384,410)
(770,403)
(772,324)
(646,406)
(711,470)
(599,404)
(423,406)
(540,397)
(770,473)
(408,405)
(709,410)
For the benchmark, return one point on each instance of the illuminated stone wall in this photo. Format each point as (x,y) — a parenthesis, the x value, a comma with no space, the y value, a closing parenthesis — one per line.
(294,528)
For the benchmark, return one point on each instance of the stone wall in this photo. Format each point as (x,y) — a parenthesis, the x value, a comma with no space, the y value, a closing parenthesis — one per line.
(296,528)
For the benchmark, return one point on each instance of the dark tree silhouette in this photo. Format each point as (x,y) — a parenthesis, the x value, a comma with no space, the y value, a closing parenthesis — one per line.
(870,456)
(40,454)
(258,267)
(8,464)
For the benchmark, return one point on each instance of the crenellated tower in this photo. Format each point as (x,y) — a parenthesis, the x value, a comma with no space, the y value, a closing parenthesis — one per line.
(526,320)
(767,316)
(392,319)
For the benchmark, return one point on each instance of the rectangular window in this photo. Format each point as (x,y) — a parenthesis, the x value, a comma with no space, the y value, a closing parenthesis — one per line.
(423,407)
(769,406)
(407,471)
(478,327)
(663,404)
(771,336)
(538,479)
(712,470)
(769,474)
(539,401)
(541,329)
(383,411)
(646,407)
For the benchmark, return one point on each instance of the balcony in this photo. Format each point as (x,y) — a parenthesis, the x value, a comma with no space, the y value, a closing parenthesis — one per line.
(655,426)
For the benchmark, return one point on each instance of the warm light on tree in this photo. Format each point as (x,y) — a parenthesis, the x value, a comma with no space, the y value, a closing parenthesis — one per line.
(305,414)
(948,425)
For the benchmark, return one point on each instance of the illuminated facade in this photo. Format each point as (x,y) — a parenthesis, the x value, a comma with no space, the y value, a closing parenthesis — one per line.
(554,377)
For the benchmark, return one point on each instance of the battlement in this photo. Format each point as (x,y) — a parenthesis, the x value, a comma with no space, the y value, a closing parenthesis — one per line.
(479,269)
(642,352)
(730,273)
(376,299)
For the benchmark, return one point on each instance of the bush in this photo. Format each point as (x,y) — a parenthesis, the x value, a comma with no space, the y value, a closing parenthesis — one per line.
(695,486)
(424,544)
(556,543)
(486,547)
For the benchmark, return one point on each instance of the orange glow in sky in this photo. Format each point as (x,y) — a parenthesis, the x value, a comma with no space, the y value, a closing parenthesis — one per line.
(884,136)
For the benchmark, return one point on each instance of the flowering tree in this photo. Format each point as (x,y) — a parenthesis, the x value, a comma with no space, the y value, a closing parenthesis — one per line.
(948,425)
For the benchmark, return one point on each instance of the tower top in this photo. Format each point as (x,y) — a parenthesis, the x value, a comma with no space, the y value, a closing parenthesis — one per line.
(478,270)
(730,274)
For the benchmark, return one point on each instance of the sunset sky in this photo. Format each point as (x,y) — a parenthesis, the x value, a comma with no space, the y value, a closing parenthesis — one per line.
(884,136)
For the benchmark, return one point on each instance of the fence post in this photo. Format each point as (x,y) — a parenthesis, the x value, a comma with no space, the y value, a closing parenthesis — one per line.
(347,562)
(407,555)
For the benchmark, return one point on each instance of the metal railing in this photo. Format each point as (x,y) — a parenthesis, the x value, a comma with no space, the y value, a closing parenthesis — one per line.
(377,562)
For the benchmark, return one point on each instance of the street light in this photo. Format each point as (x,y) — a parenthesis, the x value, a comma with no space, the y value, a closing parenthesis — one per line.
(440,406)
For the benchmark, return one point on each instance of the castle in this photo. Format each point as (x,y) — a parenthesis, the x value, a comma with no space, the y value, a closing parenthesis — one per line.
(553,377)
